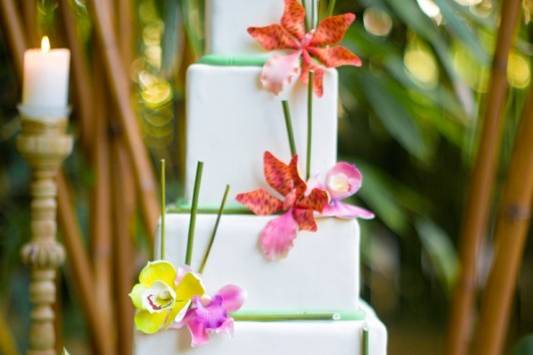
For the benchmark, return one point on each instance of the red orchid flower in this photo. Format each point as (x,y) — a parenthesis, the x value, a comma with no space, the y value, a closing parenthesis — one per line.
(278,236)
(316,50)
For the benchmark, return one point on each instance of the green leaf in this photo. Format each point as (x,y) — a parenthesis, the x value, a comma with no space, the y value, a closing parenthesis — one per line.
(458,26)
(172,39)
(442,255)
(378,193)
(524,346)
(390,109)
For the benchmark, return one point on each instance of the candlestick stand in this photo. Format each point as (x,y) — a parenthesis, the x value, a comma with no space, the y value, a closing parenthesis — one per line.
(44,145)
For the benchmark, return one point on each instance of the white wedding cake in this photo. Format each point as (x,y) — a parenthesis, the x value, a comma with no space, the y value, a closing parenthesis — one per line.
(308,302)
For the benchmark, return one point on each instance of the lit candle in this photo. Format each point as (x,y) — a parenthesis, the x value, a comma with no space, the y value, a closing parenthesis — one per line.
(46,72)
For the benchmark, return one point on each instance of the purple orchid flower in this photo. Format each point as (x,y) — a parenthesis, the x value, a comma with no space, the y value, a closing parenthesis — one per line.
(343,181)
(212,315)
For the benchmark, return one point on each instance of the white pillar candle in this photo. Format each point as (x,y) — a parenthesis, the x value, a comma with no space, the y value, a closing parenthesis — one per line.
(45,79)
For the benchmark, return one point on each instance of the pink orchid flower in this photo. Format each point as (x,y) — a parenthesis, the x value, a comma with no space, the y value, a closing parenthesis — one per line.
(307,52)
(277,238)
(343,181)
(212,315)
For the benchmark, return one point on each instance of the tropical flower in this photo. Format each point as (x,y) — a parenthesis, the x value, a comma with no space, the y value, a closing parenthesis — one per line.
(341,182)
(163,295)
(212,315)
(307,52)
(277,238)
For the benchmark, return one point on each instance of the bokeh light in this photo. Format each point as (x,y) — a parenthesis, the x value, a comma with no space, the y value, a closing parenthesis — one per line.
(377,21)
(518,71)
(421,65)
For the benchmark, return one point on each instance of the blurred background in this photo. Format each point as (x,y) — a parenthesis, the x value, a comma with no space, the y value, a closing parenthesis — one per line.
(409,118)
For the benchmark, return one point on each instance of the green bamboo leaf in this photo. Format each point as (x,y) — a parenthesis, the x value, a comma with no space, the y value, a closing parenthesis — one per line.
(390,109)
(436,243)
(524,346)
(378,193)
(172,39)
(458,26)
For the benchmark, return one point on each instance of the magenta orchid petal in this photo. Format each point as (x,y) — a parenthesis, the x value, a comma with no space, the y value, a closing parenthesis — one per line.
(226,327)
(344,210)
(280,71)
(199,335)
(278,236)
(232,297)
(343,180)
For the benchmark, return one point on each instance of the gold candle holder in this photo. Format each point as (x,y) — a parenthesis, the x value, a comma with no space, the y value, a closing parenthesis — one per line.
(44,144)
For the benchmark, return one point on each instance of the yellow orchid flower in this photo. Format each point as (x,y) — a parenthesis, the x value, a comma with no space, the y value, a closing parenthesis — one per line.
(163,296)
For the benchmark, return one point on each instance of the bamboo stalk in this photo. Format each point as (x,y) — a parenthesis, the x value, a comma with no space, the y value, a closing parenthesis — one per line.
(482,181)
(82,278)
(12,27)
(101,218)
(82,81)
(118,84)
(510,237)
(123,249)
(125,25)
(29,15)
(67,220)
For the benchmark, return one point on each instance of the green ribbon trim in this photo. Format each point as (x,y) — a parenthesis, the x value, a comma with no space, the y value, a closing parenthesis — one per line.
(185,208)
(234,61)
(280,316)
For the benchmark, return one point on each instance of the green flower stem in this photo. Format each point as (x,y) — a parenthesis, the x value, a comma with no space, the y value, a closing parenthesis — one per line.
(309,123)
(163,209)
(288,125)
(215,229)
(308,23)
(331,7)
(365,343)
(194,210)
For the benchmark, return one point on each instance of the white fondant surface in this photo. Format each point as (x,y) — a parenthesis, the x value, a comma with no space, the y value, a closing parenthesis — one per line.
(321,272)
(227,21)
(275,338)
(231,121)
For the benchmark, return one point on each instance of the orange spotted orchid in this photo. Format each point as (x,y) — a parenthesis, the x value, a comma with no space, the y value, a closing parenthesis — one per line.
(313,51)
(298,205)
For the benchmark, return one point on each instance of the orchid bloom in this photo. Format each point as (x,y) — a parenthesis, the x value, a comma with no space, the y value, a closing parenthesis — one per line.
(307,52)
(343,181)
(277,237)
(212,315)
(163,295)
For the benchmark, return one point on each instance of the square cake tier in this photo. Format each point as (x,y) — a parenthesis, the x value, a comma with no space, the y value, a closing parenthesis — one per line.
(231,122)
(278,338)
(227,21)
(321,272)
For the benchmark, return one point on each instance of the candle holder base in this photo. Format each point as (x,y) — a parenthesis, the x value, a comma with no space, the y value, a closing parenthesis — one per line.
(44,144)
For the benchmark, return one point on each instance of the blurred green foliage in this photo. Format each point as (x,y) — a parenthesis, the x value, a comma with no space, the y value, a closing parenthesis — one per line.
(409,118)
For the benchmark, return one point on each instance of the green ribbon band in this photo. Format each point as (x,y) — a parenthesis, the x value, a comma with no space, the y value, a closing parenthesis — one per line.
(234,61)
(229,209)
(279,316)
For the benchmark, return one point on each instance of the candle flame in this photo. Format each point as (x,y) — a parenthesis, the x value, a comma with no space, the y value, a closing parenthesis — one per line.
(45,44)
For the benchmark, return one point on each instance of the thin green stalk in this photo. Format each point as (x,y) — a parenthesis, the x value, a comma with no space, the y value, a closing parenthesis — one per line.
(308,23)
(214,232)
(163,209)
(365,342)
(194,210)
(309,123)
(331,7)
(288,125)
